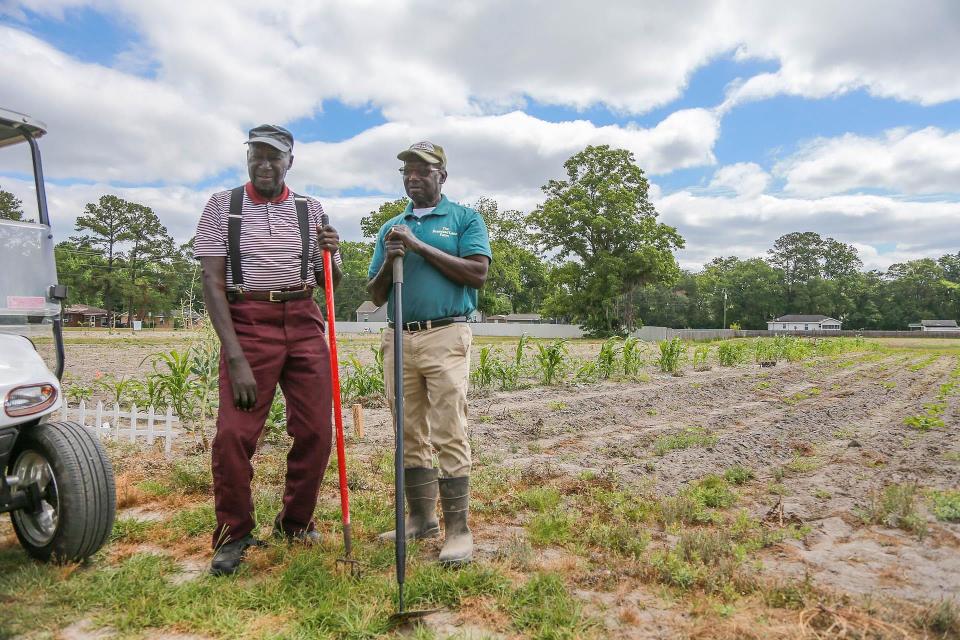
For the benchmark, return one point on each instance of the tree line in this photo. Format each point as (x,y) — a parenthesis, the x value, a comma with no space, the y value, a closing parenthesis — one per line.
(593,253)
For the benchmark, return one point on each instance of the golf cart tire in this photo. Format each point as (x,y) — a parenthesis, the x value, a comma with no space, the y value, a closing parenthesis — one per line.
(85,487)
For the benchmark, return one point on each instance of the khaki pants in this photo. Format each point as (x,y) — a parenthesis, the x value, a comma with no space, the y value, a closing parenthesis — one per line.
(436,371)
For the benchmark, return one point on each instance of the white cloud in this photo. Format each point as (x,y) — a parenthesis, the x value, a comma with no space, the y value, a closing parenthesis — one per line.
(914,162)
(503,153)
(110,126)
(899,49)
(746,227)
(746,179)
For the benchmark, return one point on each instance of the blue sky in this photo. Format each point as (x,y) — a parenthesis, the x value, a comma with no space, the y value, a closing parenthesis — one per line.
(749,124)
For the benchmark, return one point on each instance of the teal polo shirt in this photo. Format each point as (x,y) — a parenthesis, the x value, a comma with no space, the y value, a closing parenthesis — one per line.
(427,294)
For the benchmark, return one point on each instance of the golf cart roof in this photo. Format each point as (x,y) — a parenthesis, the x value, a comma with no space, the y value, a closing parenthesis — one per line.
(13,124)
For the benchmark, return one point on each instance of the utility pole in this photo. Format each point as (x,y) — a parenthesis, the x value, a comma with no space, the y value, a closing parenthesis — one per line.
(724,309)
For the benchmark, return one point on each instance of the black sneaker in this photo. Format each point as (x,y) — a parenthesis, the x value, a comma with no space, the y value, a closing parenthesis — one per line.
(229,556)
(305,537)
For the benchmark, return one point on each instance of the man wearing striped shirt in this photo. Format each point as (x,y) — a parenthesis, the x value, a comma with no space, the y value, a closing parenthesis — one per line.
(260,247)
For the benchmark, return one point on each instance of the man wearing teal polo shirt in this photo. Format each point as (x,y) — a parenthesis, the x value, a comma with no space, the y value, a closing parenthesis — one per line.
(446,254)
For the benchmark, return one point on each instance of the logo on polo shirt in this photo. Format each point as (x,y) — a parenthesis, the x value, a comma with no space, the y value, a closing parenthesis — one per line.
(445,232)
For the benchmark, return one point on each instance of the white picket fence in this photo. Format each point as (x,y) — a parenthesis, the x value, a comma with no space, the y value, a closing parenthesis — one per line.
(126,425)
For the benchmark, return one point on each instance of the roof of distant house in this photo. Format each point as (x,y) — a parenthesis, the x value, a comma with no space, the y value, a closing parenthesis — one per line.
(523,316)
(802,318)
(86,310)
(938,323)
(367,307)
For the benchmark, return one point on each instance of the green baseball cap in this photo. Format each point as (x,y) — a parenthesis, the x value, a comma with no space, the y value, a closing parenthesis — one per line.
(426,151)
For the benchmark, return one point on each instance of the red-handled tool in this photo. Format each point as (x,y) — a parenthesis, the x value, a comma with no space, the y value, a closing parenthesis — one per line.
(337,410)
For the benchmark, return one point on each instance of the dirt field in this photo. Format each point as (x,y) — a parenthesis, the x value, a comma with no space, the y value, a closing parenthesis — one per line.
(790,501)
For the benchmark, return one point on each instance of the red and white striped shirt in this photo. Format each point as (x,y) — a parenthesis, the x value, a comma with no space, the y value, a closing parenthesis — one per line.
(270,244)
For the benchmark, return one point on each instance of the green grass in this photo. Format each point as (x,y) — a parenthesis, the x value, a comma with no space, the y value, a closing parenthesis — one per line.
(540,499)
(543,608)
(552,528)
(689,437)
(131,530)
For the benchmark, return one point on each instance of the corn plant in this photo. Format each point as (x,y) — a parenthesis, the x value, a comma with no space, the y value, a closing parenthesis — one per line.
(671,355)
(631,357)
(205,367)
(587,372)
(700,355)
(276,423)
(362,382)
(117,388)
(607,358)
(550,358)
(148,392)
(77,392)
(730,354)
(764,351)
(483,374)
(174,370)
(508,375)
(521,346)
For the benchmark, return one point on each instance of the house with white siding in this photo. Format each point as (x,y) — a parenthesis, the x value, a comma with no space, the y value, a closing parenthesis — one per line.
(935,325)
(803,323)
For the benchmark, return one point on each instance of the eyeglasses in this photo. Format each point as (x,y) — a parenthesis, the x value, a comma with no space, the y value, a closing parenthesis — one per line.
(423,172)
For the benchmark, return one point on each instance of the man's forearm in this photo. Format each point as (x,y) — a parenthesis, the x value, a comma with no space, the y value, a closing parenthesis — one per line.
(379,286)
(463,271)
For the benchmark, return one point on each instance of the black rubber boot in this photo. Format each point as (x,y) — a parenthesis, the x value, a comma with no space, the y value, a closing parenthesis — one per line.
(420,489)
(458,540)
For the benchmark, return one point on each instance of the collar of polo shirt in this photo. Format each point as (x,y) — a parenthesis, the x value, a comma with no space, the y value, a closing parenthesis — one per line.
(256,198)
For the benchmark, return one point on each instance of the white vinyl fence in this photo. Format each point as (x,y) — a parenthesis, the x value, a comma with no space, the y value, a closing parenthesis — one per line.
(126,425)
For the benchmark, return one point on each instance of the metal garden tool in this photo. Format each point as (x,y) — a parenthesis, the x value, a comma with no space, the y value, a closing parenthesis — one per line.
(401,616)
(347,558)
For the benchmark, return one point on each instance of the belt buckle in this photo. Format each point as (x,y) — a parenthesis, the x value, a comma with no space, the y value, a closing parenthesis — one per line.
(415,322)
(271,298)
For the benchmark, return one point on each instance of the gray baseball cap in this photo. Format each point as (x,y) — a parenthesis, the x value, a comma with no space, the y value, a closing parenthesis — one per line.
(271,134)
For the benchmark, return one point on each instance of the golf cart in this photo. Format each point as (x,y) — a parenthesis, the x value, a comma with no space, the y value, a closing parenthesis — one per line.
(55,478)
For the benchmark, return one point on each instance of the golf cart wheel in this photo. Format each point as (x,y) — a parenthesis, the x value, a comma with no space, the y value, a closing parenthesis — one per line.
(74,480)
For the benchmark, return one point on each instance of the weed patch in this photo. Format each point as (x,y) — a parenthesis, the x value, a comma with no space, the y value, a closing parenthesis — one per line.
(690,437)
(895,506)
(946,505)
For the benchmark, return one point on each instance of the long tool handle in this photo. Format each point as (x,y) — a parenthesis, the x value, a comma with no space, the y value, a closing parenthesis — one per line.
(401,531)
(337,408)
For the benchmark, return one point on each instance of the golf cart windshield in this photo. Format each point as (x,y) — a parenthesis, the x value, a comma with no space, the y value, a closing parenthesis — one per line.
(28,272)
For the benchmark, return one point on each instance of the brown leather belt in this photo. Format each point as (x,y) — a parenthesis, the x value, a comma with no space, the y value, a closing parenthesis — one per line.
(281,295)
(422,325)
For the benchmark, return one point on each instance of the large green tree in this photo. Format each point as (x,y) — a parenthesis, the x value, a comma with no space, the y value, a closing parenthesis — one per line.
(149,251)
(105,226)
(11,207)
(601,229)
(517,281)
(370,224)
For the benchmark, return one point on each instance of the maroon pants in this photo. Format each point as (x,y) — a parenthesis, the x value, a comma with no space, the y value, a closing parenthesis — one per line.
(284,343)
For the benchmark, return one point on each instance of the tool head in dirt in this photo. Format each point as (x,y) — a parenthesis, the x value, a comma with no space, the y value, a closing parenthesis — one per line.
(409,618)
(350,564)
